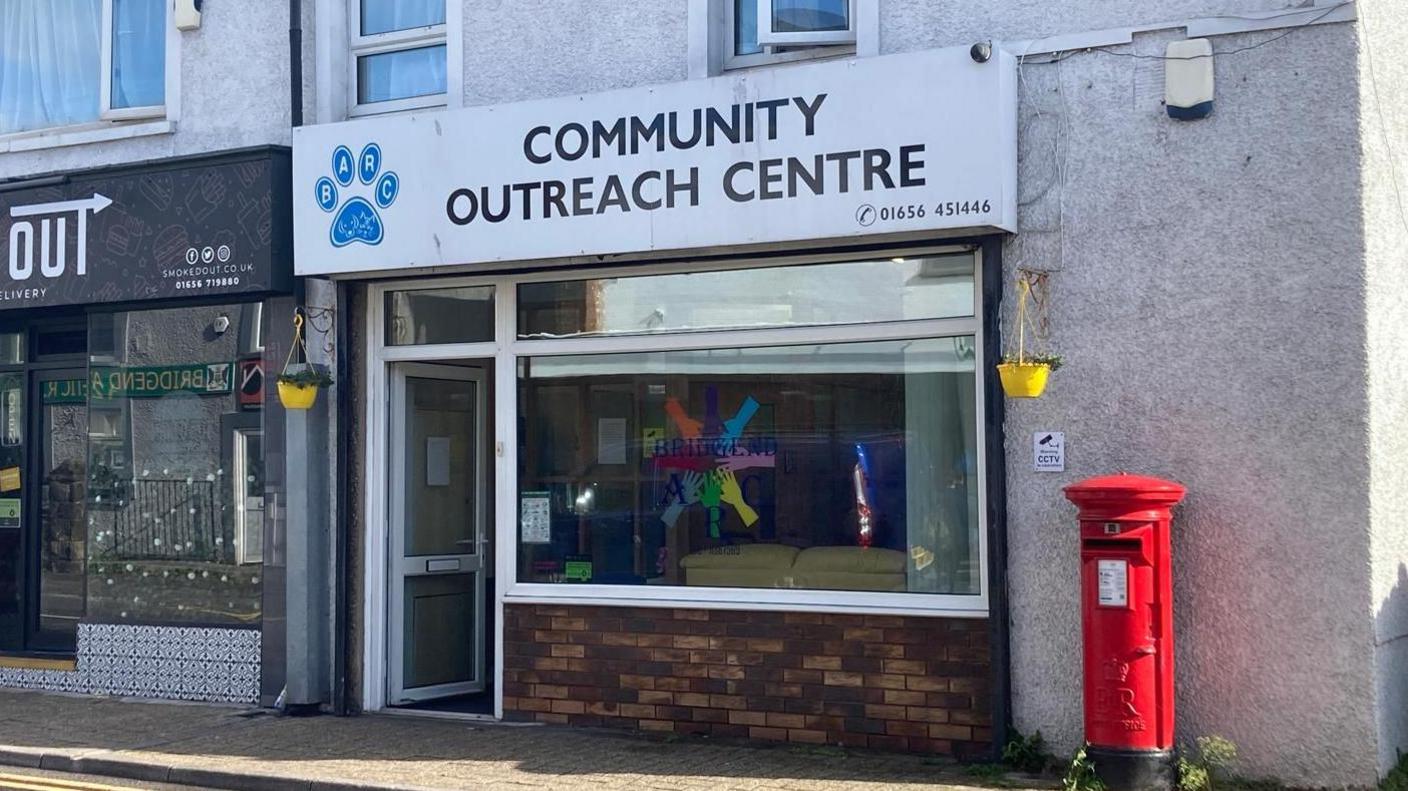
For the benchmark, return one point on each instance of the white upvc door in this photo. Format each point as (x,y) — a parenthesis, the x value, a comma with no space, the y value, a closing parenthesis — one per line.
(437,564)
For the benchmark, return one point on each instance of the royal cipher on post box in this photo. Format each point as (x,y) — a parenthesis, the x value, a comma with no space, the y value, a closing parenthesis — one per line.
(1127,622)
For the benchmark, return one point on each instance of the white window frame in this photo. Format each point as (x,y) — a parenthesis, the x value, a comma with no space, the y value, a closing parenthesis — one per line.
(361,46)
(113,123)
(106,111)
(711,40)
(767,36)
(506,349)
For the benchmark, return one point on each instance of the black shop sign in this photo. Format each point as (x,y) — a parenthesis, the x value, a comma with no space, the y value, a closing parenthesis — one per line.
(190,227)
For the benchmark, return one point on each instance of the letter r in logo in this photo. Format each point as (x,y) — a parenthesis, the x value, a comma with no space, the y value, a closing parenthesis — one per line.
(370,163)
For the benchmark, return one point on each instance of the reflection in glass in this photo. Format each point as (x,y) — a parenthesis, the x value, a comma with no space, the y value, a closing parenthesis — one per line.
(839,466)
(164,501)
(12,418)
(442,315)
(385,16)
(138,53)
(745,28)
(807,16)
(924,287)
(401,74)
(63,529)
(12,348)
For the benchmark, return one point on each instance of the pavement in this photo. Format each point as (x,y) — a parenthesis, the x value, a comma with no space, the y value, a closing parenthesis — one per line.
(243,749)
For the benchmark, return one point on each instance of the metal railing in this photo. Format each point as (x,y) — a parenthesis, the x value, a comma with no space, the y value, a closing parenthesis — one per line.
(164,520)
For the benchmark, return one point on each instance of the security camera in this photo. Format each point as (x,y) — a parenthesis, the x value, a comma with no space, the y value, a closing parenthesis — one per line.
(981,52)
(221,324)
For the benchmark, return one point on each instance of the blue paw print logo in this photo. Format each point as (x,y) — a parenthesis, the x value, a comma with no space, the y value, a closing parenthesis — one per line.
(356,219)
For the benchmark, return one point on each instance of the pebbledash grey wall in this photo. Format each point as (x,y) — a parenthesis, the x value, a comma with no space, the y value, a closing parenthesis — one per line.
(234,89)
(1383,134)
(1228,296)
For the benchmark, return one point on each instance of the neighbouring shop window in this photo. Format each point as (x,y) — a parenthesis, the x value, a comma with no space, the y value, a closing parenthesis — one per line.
(80,61)
(399,53)
(853,292)
(840,466)
(441,315)
(175,465)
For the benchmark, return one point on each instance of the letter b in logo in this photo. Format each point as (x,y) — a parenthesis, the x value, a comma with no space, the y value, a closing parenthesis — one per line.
(327,194)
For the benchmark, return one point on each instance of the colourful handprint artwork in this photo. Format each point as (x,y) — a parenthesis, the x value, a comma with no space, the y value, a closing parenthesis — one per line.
(704,462)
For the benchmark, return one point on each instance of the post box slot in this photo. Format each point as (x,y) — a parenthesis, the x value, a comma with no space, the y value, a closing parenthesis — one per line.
(1131,544)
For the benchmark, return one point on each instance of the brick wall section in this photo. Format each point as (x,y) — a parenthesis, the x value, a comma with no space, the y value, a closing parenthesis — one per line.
(882,682)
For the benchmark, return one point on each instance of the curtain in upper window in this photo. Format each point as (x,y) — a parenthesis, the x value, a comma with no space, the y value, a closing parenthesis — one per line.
(49,63)
(138,53)
(385,16)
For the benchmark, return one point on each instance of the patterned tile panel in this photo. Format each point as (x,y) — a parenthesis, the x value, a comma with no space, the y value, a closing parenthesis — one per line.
(169,662)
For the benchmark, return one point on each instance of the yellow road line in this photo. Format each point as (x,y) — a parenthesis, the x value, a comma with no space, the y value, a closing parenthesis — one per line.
(37,663)
(32,783)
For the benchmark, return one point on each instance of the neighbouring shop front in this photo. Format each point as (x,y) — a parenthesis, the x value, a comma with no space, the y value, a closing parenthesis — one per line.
(675,413)
(137,502)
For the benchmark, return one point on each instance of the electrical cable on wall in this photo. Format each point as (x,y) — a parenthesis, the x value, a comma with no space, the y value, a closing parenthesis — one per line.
(1058,56)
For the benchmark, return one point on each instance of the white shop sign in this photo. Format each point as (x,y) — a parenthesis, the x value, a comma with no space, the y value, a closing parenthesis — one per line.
(920,143)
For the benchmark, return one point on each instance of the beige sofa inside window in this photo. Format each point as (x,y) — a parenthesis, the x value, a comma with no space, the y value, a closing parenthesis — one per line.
(779,566)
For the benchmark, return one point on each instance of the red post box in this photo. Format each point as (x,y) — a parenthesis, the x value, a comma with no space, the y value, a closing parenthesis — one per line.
(1127,622)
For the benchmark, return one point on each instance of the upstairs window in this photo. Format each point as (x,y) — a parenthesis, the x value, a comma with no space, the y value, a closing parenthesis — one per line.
(74,62)
(771,31)
(398,55)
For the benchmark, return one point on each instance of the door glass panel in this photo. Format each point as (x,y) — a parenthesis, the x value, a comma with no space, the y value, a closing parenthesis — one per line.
(12,421)
(439,635)
(440,467)
(63,529)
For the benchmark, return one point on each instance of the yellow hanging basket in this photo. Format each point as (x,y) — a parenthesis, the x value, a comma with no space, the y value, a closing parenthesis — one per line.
(1024,375)
(295,396)
(299,390)
(1023,380)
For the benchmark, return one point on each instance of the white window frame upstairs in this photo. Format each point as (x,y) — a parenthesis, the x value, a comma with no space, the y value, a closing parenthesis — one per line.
(768,37)
(361,46)
(712,52)
(106,111)
(114,123)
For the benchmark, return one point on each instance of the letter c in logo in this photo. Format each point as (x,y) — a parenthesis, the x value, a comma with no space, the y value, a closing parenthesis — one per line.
(386,189)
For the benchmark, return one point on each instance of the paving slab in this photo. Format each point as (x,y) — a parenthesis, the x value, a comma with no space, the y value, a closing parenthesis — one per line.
(240,748)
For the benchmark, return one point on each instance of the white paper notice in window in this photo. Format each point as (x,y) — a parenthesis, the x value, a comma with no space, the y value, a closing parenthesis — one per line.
(535,509)
(1113,583)
(611,440)
(437,461)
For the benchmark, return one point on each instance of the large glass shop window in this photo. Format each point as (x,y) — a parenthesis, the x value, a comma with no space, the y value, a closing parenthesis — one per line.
(847,466)
(175,486)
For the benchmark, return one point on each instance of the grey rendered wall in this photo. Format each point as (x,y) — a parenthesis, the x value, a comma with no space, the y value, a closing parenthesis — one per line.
(234,93)
(529,49)
(1209,301)
(1383,70)
(1210,306)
